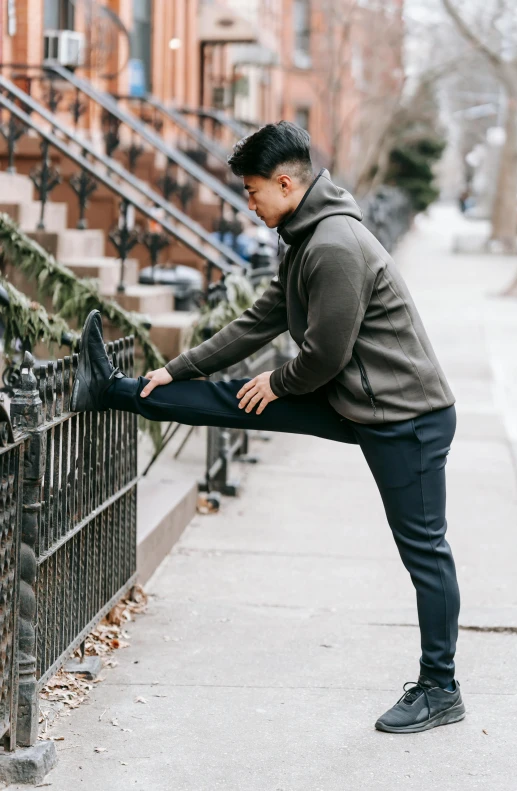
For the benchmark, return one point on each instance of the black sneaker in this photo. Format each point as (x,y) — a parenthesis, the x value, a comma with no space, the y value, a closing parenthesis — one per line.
(422,707)
(95,371)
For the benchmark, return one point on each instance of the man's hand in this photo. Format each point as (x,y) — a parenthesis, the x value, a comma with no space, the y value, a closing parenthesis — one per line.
(257,389)
(159,377)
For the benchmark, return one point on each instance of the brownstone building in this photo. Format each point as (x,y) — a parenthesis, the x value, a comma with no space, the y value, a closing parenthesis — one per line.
(332,66)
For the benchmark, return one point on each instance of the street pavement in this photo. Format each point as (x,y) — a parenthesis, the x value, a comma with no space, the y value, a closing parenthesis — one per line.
(280,628)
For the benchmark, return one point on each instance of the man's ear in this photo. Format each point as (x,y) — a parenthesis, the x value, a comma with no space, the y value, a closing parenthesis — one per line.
(285,183)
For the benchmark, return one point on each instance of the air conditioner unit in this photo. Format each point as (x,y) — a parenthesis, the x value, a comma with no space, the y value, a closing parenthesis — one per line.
(64,46)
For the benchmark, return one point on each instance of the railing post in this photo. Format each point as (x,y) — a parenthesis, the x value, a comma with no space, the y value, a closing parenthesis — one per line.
(27,417)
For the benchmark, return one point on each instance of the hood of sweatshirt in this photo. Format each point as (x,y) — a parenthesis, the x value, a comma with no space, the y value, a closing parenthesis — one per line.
(322,199)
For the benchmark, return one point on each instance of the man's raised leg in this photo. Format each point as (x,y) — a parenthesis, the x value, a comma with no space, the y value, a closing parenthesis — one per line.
(205,403)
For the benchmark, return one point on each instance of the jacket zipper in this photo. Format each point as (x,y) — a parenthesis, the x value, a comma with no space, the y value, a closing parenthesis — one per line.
(366,382)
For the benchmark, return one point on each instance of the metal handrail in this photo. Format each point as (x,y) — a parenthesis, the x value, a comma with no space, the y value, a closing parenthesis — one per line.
(237,127)
(121,191)
(108,103)
(177,117)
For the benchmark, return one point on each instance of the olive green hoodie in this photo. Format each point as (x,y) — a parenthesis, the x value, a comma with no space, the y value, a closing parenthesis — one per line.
(348,308)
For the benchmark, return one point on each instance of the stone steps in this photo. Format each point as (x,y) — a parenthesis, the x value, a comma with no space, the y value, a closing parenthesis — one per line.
(15,186)
(83,252)
(27,215)
(169,330)
(146,299)
(105,269)
(71,243)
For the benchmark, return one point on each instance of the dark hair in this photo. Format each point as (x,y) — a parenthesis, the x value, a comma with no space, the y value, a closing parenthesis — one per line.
(274,145)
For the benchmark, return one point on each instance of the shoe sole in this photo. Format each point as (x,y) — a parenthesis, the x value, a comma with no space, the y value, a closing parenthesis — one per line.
(84,363)
(453,714)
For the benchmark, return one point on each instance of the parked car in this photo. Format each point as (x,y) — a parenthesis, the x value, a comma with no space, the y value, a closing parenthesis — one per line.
(186,282)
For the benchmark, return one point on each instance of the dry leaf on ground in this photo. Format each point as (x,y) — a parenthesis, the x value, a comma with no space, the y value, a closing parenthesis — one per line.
(207,505)
(66,691)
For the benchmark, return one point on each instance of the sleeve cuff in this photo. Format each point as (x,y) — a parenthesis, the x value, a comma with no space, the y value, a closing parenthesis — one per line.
(183,368)
(275,382)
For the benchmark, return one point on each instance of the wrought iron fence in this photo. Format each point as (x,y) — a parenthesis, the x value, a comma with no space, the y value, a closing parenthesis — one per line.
(71,508)
(387,214)
(86,549)
(11,472)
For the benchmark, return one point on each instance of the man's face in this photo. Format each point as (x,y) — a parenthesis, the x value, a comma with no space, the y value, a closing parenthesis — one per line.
(271,199)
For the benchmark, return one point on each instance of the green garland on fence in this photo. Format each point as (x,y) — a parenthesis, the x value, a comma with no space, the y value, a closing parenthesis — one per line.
(76,297)
(72,297)
(27,319)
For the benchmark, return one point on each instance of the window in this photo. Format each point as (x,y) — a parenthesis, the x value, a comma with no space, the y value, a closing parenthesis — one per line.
(302,33)
(58,15)
(301,117)
(141,39)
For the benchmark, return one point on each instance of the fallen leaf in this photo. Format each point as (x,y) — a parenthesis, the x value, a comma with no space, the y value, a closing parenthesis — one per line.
(114,722)
(116,643)
(485,731)
(108,635)
(140,699)
(116,614)
(206,506)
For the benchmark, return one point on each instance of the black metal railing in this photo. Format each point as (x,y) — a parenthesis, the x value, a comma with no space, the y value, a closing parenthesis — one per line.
(96,167)
(387,214)
(218,118)
(11,476)
(142,135)
(86,548)
(155,113)
(76,521)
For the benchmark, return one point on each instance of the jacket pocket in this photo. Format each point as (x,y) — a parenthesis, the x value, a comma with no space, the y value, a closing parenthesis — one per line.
(366,382)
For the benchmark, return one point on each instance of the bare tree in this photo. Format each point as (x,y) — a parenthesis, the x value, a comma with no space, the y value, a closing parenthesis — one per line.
(358,59)
(372,98)
(496,43)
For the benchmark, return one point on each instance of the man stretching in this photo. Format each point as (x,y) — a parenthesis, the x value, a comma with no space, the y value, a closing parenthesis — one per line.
(365,374)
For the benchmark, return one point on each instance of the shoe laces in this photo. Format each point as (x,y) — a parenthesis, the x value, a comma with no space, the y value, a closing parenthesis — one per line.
(413,693)
(114,369)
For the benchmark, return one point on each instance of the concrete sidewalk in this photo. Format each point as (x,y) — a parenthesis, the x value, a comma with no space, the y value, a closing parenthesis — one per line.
(280,628)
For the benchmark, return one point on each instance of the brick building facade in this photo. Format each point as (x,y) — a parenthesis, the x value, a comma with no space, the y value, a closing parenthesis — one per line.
(332,67)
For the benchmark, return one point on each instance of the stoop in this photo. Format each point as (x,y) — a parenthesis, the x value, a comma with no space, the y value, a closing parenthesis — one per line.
(164,509)
(167,497)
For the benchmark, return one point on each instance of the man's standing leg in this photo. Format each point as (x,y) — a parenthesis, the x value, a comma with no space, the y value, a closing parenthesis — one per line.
(407,459)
